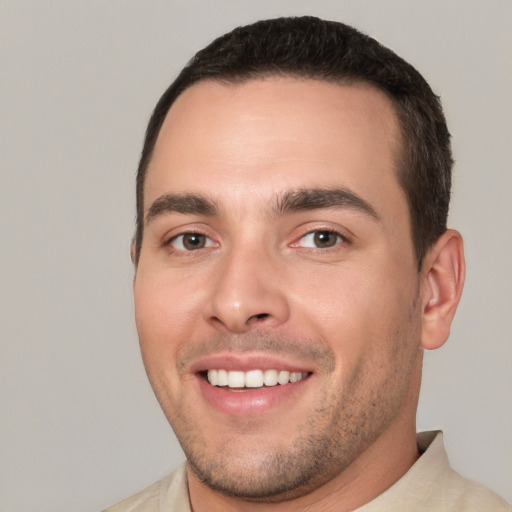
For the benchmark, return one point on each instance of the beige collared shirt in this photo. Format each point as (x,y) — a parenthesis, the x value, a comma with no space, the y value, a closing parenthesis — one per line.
(431,485)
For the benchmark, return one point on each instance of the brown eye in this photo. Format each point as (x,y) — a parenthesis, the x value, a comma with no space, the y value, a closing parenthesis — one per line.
(191,242)
(323,239)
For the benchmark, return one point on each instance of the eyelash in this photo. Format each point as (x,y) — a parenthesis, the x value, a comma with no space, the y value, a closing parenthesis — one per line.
(340,239)
(208,242)
(170,243)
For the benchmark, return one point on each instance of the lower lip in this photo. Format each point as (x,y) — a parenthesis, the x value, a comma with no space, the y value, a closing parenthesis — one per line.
(249,402)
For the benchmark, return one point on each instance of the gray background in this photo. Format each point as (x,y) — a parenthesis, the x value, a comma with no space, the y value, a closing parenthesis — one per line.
(79,425)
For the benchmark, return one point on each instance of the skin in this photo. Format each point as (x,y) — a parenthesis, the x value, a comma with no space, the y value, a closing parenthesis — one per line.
(354,312)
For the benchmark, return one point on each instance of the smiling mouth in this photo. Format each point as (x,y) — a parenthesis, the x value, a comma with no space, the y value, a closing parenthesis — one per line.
(252,379)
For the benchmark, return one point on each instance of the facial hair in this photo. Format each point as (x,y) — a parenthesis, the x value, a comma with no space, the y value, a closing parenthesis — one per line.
(350,414)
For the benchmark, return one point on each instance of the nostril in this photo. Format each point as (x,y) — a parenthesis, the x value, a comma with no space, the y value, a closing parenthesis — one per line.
(260,316)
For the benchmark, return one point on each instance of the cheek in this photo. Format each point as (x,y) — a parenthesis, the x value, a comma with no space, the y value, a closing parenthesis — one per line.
(166,314)
(356,311)
(166,318)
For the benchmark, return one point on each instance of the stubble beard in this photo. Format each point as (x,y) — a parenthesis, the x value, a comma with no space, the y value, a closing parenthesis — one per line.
(340,428)
(283,472)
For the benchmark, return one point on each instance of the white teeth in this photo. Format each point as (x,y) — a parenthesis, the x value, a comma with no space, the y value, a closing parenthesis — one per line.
(283,377)
(213,377)
(253,378)
(236,379)
(222,378)
(295,376)
(270,377)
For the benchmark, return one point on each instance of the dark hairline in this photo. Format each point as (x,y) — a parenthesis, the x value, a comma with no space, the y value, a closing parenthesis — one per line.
(145,163)
(308,47)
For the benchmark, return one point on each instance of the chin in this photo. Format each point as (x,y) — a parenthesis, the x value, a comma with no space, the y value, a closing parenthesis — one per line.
(252,470)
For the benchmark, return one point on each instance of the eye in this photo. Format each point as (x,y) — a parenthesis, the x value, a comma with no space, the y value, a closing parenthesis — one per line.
(191,242)
(320,239)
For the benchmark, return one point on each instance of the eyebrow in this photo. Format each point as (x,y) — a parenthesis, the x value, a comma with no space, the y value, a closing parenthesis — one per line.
(319,198)
(293,201)
(192,204)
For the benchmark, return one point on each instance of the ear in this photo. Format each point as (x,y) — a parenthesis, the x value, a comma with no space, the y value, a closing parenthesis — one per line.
(443,272)
(133,257)
(132,252)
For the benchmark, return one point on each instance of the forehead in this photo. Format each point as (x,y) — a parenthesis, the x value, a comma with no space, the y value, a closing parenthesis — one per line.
(269,134)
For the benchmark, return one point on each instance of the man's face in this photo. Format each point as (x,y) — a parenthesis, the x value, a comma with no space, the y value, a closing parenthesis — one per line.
(277,247)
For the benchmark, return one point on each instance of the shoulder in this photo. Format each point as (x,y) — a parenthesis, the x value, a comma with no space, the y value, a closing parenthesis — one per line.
(447,489)
(452,488)
(170,493)
(431,484)
(467,495)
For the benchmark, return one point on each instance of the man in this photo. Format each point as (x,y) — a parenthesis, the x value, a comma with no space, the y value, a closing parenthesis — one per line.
(292,262)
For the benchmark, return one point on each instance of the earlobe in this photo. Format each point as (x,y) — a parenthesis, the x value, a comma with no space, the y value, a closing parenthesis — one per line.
(443,279)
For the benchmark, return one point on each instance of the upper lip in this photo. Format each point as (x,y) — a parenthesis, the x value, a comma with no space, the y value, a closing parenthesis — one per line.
(245,362)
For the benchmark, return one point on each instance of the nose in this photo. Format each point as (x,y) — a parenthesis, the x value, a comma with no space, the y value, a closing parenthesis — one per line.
(247,293)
